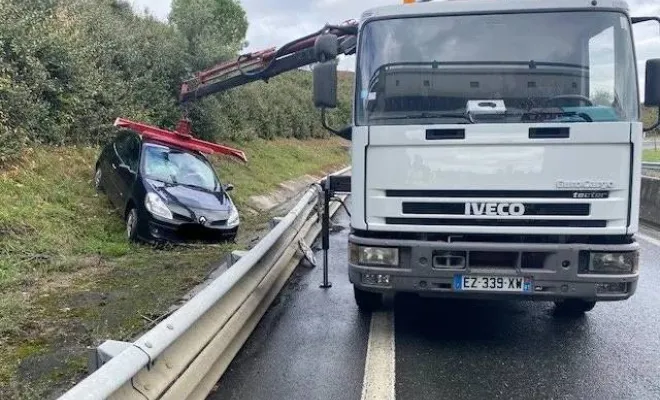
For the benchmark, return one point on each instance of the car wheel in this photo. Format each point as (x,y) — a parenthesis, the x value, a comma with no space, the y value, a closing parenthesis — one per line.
(131,225)
(574,307)
(367,301)
(98,185)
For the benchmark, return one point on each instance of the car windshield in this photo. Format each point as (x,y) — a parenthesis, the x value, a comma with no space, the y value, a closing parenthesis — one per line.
(174,166)
(551,66)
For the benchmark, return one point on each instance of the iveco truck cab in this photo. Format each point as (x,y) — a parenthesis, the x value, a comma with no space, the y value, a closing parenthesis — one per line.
(496,151)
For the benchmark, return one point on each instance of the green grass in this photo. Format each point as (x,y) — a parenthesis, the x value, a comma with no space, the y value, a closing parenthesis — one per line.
(651,155)
(68,277)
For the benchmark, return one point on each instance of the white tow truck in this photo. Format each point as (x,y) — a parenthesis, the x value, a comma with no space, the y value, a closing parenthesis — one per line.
(496,145)
(496,150)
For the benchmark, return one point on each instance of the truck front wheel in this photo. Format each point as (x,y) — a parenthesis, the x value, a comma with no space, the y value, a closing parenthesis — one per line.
(367,301)
(574,306)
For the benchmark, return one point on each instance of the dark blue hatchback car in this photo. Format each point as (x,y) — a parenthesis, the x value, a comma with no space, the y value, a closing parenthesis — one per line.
(164,192)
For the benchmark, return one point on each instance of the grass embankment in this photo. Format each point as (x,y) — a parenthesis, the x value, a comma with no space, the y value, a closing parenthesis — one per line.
(68,277)
(651,155)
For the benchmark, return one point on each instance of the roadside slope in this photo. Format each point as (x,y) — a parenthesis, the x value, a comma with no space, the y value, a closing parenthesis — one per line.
(69,279)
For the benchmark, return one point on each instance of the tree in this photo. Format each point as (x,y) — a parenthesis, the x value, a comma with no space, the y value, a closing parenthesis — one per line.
(215,29)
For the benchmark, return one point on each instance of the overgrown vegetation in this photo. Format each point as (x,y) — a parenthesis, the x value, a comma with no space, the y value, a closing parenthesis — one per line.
(70,279)
(68,68)
(650,117)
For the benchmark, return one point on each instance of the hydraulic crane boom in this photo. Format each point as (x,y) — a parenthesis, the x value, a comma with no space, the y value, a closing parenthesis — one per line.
(267,63)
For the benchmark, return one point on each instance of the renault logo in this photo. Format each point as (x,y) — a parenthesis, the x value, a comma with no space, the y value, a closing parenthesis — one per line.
(202,220)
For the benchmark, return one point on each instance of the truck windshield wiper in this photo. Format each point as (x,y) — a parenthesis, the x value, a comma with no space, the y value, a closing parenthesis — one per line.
(550,115)
(463,116)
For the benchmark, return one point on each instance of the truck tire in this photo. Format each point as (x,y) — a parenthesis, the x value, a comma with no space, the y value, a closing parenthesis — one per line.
(367,301)
(574,306)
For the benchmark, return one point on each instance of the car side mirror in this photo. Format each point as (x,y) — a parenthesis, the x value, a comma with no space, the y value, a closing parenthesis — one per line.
(229,187)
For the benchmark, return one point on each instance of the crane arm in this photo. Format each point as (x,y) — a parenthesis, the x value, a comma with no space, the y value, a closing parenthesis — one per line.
(265,64)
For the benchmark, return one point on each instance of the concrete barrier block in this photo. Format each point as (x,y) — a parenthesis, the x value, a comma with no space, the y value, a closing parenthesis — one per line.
(104,353)
(649,211)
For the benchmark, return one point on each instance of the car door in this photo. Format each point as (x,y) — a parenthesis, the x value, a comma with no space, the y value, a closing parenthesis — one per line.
(112,162)
(128,152)
(106,158)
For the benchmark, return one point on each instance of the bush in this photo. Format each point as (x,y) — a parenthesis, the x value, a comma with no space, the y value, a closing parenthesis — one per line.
(70,67)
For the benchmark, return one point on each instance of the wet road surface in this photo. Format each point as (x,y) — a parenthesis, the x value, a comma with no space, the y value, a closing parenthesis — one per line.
(312,344)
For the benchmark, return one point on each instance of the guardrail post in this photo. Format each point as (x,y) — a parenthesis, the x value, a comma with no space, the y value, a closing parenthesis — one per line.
(325,231)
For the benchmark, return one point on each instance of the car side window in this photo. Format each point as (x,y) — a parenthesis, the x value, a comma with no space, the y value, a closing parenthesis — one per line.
(128,148)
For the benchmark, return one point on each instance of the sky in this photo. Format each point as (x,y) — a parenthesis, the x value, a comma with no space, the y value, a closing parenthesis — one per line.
(274,23)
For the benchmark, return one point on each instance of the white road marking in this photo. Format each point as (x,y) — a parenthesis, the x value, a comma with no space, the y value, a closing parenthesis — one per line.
(379,367)
(649,239)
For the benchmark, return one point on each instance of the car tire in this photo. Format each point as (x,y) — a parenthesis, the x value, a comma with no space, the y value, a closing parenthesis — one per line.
(98,183)
(131,225)
(367,301)
(574,307)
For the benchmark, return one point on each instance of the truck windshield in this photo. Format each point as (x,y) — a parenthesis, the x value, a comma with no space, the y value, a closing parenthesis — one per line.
(552,67)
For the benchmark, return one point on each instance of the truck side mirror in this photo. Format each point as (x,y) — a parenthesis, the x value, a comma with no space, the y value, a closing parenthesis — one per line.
(325,84)
(652,90)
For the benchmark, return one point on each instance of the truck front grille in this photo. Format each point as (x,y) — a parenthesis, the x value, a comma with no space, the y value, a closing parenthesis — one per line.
(530,209)
(573,223)
(490,259)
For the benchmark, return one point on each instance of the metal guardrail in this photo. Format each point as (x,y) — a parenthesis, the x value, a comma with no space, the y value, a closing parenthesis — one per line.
(184,355)
(651,166)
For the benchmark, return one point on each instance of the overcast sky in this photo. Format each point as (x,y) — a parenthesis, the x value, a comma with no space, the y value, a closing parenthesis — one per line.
(273,23)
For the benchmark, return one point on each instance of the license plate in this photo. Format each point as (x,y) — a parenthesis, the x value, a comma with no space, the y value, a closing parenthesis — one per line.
(492,283)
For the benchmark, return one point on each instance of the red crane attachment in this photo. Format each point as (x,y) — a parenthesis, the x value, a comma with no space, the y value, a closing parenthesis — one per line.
(267,63)
(181,137)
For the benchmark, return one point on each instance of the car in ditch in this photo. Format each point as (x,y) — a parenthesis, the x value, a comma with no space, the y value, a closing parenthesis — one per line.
(164,187)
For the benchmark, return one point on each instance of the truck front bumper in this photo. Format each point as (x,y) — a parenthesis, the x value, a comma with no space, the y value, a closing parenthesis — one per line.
(553,272)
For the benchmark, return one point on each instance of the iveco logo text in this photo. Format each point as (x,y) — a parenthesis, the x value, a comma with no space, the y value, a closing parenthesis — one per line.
(502,209)
(585,184)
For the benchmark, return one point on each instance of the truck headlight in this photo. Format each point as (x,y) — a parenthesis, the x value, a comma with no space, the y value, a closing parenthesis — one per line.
(375,256)
(611,263)
(157,206)
(234,218)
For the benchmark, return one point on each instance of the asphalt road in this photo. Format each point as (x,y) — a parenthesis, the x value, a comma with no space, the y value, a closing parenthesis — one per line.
(312,344)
